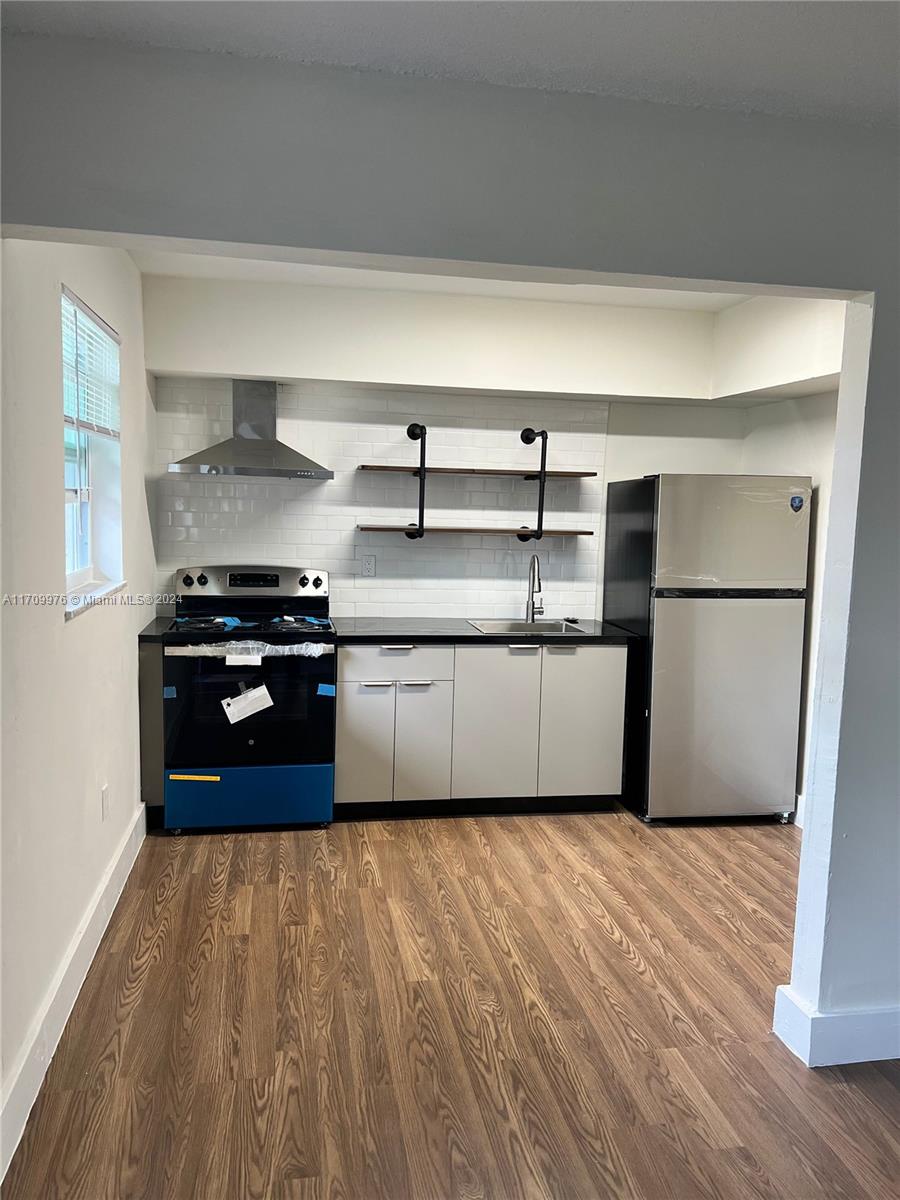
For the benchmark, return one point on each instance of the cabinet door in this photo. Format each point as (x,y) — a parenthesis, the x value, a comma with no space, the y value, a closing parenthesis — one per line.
(364,743)
(422,737)
(582,720)
(496,713)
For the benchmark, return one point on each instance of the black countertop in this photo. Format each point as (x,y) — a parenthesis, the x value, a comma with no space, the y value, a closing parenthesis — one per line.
(458,629)
(154,631)
(423,630)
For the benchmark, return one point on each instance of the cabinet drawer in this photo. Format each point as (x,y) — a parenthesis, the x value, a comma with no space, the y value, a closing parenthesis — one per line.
(357,664)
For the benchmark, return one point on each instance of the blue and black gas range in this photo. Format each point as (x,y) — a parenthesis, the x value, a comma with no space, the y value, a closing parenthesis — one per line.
(238,701)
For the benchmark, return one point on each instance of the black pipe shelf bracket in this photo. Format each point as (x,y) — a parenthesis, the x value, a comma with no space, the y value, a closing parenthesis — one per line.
(529,436)
(418,433)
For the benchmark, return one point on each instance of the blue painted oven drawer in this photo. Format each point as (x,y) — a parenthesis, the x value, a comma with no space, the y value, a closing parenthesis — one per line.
(210,797)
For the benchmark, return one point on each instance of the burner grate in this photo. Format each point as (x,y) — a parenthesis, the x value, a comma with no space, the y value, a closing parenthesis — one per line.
(283,623)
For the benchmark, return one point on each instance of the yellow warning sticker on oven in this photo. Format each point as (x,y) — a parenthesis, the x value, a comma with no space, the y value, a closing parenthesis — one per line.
(199,778)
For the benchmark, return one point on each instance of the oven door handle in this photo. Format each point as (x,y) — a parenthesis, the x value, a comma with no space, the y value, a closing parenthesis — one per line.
(247,650)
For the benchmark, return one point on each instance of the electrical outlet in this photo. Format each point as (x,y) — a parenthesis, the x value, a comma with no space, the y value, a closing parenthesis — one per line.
(104,802)
(368,562)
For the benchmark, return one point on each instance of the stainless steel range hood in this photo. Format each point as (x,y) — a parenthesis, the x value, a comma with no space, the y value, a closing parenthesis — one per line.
(254,449)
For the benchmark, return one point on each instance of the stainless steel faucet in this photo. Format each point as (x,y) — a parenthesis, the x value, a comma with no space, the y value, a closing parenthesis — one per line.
(534,607)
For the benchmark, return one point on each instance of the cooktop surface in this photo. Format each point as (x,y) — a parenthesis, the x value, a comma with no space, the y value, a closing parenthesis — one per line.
(290,624)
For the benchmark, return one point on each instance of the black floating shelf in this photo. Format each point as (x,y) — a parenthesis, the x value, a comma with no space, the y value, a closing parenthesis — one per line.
(511,531)
(515,473)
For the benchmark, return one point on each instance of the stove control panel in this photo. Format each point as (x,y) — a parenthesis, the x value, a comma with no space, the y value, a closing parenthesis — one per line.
(251,581)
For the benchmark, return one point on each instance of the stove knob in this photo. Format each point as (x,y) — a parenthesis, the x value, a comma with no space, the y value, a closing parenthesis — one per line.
(187,580)
(304,581)
(202,580)
(317,582)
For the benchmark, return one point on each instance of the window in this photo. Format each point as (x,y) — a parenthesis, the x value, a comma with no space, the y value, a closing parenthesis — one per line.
(93,474)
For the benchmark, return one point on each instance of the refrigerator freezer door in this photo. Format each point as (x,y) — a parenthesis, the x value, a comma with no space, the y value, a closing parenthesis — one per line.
(725,706)
(732,531)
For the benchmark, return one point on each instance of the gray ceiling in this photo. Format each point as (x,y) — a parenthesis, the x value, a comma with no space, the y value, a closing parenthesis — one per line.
(835,60)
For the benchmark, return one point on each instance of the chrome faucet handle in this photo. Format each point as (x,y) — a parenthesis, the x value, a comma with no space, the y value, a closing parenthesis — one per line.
(537,600)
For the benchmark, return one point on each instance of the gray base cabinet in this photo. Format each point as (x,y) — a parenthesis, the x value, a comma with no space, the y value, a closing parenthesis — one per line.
(422,738)
(479,722)
(496,716)
(364,743)
(394,723)
(582,720)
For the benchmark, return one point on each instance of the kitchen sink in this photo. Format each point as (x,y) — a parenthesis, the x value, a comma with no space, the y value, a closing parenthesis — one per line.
(525,627)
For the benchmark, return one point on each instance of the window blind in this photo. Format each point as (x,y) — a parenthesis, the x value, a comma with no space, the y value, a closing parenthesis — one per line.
(90,369)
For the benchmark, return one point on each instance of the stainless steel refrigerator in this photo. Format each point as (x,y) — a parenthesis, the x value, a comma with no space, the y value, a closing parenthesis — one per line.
(712,570)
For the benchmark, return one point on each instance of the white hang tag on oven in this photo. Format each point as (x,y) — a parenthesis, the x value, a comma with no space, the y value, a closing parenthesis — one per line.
(243,660)
(252,701)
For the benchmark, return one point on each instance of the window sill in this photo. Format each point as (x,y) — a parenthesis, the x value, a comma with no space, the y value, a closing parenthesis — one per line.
(82,599)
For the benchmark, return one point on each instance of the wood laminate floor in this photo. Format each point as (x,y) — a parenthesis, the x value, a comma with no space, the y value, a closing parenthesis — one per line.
(523,1007)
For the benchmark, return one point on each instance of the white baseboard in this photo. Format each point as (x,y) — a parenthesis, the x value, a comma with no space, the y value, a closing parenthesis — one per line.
(26,1073)
(824,1039)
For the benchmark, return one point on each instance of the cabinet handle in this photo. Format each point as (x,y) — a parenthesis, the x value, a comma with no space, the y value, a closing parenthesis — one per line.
(385,683)
(522,646)
(398,646)
(415,682)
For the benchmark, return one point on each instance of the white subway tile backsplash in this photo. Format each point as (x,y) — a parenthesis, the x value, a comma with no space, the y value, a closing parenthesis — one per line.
(314,523)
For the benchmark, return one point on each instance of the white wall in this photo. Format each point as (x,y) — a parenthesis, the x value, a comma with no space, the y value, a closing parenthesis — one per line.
(770,341)
(314,523)
(70,722)
(337,159)
(433,340)
(420,339)
(208,520)
(797,437)
(644,439)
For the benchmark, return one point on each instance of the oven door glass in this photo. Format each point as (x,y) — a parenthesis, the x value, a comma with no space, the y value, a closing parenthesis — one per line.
(297,728)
